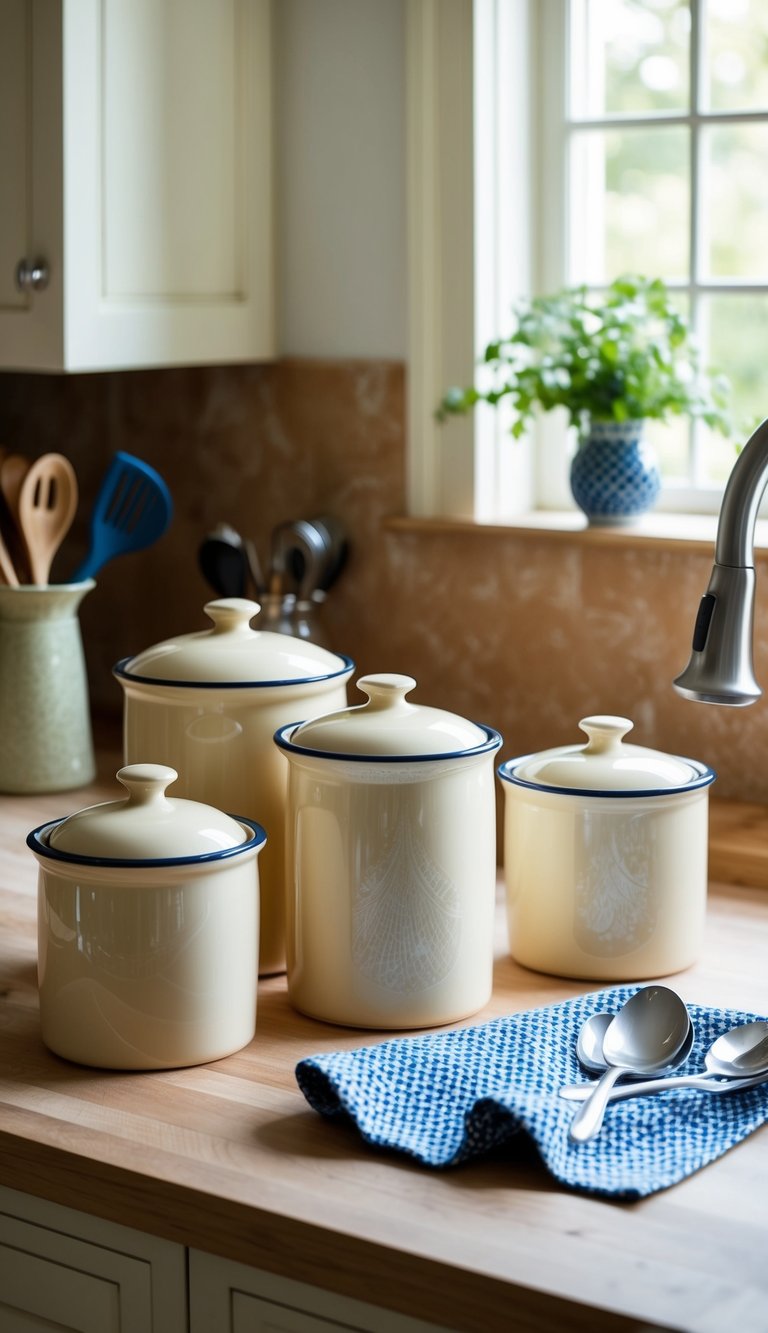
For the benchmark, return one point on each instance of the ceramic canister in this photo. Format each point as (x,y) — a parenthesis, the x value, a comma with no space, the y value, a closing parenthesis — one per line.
(208,704)
(391,849)
(148,919)
(605,856)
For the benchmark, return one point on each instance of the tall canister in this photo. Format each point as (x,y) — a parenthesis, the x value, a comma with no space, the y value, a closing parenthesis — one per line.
(208,704)
(391,845)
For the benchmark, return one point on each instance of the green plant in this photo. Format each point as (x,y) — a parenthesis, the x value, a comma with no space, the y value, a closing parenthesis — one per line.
(625,355)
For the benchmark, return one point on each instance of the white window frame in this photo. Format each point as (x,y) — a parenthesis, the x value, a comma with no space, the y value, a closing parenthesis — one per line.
(469,248)
(470,245)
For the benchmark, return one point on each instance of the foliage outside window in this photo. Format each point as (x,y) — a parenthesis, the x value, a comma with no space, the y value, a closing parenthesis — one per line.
(663,170)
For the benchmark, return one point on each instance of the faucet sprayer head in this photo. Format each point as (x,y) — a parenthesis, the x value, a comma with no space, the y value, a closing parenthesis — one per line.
(720,668)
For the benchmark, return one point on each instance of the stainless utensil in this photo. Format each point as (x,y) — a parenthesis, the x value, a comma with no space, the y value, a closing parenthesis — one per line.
(336,547)
(737,1059)
(650,1033)
(46,508)
(223,561)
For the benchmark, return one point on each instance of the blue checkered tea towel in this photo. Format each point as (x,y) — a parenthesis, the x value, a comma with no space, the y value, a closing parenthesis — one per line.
(446,1097)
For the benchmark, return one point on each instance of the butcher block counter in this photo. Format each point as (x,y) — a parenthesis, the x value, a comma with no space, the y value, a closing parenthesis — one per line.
(228,1163)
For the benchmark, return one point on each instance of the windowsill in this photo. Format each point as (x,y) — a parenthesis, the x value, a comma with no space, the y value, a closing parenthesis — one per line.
(679,532)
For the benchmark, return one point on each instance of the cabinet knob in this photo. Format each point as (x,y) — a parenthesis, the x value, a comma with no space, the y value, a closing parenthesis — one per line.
(32,276)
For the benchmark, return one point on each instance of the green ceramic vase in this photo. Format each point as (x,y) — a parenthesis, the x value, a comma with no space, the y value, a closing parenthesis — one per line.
(45,724)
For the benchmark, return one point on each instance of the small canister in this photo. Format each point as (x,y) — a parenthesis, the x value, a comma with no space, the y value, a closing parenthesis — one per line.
(605,856)
(148,921)
(208,704)
(391,853)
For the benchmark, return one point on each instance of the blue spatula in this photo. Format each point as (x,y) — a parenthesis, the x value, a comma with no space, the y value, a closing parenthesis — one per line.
(133,508)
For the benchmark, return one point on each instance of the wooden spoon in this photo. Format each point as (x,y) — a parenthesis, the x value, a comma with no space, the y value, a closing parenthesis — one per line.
(13,469)
(47,504)
(7,570)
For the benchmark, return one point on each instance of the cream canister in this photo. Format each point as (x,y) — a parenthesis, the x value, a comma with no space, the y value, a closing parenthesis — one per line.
(148,918)
(391,856)
(605,857)
(208,704)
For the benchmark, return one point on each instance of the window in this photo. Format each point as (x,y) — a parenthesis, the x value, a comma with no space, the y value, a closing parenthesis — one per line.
(610,135)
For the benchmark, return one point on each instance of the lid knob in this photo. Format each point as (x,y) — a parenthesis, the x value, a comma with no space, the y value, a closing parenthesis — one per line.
(146,783)
(605,732)
(232,615)
(386,690)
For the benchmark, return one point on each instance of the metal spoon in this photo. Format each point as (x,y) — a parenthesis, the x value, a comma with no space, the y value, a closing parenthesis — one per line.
(737,1059)
(650,1033)
(225,562)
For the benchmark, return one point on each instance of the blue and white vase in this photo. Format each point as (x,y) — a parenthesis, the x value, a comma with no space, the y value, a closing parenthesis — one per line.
(614,474)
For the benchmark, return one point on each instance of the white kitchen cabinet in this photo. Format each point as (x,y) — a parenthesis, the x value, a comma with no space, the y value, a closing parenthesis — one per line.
(61,1269)
(66,1270)
(233,1298)
(136,178)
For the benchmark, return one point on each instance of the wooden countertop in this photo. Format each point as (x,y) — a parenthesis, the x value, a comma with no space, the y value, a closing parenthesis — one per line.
(228,1157)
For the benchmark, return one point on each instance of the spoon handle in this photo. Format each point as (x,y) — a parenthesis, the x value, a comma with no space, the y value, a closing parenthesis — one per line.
(580,1092)
(589,1117)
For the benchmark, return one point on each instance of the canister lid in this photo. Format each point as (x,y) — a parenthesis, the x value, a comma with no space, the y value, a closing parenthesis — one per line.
(231,653)
(605,763)
(387,725)
(147,825)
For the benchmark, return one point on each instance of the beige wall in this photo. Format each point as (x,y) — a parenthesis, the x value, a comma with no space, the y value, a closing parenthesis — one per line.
(526,634)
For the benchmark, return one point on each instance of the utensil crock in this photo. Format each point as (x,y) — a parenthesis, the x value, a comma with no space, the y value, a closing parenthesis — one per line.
(208,704)
(148,919)
(605,857)
(47,744)
(391,853)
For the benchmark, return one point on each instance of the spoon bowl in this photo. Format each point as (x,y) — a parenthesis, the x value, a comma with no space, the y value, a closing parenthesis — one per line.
(741,1052)
(746,1047)
(650,1033)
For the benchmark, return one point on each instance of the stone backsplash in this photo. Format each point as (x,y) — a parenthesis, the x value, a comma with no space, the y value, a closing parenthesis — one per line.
(518,631)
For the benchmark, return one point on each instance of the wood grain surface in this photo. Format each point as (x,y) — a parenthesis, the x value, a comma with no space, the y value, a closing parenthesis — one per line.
(228,1157)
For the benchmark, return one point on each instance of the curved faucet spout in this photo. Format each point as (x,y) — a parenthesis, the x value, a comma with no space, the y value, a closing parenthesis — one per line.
(720,669)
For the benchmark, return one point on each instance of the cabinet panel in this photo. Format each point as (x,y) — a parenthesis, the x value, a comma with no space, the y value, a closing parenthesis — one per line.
(63,1270)
(233,1298)
(250,1314)
(136,148)
(15,79)
(173,95)
(39,1291)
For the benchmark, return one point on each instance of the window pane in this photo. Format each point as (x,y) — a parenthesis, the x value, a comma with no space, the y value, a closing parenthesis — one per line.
(630,192)
(629,58)
(737,337)
(735,201)
(736,55)
(672,442)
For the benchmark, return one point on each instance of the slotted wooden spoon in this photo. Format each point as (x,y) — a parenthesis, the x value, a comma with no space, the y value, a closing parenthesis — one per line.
(47,504)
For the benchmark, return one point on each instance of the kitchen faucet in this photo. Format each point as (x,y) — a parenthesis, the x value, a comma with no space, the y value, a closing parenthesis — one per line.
(720,669)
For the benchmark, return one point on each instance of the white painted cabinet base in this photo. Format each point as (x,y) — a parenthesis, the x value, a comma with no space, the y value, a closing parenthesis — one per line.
(63,1270)
(232,1298)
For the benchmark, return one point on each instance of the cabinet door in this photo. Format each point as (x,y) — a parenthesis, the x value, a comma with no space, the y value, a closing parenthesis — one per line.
(62,1270)
(31,220)
(232,1298)
(147,168)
